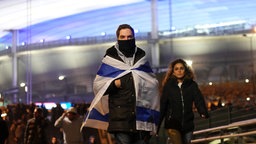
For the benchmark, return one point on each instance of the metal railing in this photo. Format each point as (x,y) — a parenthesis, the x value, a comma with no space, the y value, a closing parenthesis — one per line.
(228,131)
(226,30)
(233,124)
(227,125)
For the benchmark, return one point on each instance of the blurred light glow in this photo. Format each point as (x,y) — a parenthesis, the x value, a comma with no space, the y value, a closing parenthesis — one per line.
(65,105)
(103,33)
(22,84)
(189,62)
(3,114)
(42,40)
(206,26)
(38,104)
(26,89)
(49,105)
(61,77)
(68,37)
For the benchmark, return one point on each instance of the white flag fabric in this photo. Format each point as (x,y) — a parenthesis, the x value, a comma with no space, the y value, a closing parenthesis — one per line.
(146,88)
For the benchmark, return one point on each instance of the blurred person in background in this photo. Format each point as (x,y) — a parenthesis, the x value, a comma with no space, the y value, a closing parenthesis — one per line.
(56,112)
(54,140)
(4,133)
(70,122)
(35,131)
(12,128)
(20,128)
(179,92)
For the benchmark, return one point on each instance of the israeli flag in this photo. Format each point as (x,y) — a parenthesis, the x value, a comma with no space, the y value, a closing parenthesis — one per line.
(146,88)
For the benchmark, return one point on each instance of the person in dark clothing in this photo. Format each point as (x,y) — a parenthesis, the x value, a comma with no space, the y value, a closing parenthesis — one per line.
(4,133)
(128,82)
(178,94)
(56,112)
(35,131)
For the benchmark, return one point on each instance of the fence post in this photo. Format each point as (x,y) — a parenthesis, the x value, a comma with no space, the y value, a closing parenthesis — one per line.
(229,114)
(239,138)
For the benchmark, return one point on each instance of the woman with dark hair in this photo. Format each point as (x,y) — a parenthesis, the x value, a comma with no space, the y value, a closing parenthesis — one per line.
(179,92)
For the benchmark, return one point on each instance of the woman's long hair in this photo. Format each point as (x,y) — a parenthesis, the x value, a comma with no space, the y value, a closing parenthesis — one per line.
(188,72)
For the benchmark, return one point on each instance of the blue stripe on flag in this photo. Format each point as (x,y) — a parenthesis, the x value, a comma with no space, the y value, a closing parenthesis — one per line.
(94,114)
(147,115)
(145,67)
(109,71)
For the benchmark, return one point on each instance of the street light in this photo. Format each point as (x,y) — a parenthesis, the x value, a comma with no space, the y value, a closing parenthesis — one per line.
(252,62)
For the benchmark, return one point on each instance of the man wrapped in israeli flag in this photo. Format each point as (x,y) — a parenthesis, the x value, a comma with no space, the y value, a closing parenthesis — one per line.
(126,102)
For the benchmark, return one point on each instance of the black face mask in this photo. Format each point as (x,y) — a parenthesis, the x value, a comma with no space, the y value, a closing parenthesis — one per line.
(127,47)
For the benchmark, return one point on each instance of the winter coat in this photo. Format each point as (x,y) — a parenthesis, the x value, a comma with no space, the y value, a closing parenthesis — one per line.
(177,104)
(35,132)
(4,133)
(122,101)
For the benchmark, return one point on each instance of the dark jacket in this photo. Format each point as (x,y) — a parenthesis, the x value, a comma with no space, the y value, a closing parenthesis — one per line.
(122,101)
(177,104)
(4,133)
(35,132)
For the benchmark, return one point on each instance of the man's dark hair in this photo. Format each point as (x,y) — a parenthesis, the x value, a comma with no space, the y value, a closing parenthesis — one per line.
(124,26)
(39,110)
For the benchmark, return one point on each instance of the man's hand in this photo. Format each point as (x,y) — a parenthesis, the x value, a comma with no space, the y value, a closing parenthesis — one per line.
(118,83)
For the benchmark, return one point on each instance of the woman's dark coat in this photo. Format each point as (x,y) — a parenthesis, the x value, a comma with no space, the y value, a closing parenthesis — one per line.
(177,104)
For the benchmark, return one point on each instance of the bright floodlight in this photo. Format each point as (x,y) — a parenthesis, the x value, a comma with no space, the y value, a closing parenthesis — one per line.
(22,84)
(61,77)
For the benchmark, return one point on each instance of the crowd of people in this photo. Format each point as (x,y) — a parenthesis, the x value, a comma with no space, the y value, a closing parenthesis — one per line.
(31,124)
